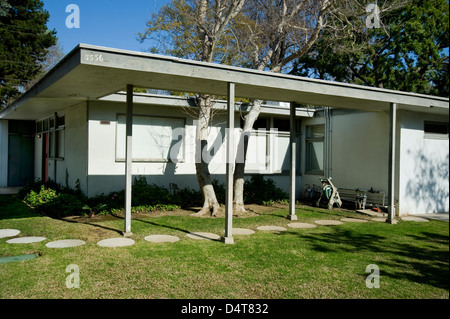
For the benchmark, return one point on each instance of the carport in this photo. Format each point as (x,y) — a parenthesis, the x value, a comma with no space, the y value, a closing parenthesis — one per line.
(91,72)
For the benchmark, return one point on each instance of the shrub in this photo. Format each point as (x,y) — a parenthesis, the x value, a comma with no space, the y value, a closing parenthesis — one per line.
(38,198)
(48,202)
(62,205)
(186,197)
(144,194)
(263,191)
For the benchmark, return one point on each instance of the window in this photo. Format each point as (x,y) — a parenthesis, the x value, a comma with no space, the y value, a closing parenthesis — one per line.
(282,152)
(257,152)
(60,144)
(155,139)
(54,127)
(282,125)
(61,121)
(315,149)
(435,129)
(261,123)
(45,127)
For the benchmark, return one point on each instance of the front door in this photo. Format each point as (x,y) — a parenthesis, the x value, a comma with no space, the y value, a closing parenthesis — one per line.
(20,152)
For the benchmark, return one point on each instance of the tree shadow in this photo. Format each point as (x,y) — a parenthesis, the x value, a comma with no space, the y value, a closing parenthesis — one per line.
(424,260)
(11,207)
(162,225)
(92,224)
(429,185)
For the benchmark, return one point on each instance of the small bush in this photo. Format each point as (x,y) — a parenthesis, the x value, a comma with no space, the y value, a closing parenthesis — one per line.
(38,198)
(144,194)
(186,197)
(263,191)
(54,200)
(63,205)
(48,202)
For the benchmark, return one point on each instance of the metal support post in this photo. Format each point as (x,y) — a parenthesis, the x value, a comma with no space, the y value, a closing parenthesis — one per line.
(228,238)
(293,141)
(128,160)
(391,175)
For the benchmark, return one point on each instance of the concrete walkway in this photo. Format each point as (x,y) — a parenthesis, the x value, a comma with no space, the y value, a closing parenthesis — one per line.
(9,190)
(123,242)
(435,216)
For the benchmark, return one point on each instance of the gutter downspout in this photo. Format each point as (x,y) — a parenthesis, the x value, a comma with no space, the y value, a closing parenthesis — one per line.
(328,170)
(392,163)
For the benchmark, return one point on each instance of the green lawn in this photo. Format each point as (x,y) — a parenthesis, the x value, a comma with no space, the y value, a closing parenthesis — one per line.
(323,262)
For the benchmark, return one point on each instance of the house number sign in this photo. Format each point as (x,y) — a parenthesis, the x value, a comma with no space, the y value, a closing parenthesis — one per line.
(93,57)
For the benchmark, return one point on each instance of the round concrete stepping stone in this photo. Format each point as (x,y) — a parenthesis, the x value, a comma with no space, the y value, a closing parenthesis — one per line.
(162,239)
(242,231)
(271,228)
(414,219)
(116,242)
(301,225)
(65,243)
(9,233)
(25,240)
(202,235)
(378,219)
(326,222)
(354,220)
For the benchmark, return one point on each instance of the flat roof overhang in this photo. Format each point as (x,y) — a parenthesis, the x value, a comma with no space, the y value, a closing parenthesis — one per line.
(91,72)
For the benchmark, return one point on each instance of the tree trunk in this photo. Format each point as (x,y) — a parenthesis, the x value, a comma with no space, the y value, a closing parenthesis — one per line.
(239,170)
(210,203)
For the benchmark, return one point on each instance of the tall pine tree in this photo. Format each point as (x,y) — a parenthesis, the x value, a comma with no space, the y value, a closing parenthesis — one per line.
(24,43)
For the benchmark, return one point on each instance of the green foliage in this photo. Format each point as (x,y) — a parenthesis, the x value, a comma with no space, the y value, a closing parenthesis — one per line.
(51,203)
(95,209)
(152,208)
(409,52)
(24,44)
(52,199)
(263,191)
(144,194)
(186,197)
(44,196)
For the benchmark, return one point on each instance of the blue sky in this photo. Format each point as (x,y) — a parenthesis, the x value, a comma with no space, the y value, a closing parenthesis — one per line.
(111,23)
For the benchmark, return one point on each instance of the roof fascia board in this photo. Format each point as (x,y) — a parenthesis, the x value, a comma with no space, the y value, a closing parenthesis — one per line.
(68,63)
(165,65)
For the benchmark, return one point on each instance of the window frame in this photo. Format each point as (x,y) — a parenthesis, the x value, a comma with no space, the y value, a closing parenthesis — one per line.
(435,135)
(55,127)
(308,143)
(181,156)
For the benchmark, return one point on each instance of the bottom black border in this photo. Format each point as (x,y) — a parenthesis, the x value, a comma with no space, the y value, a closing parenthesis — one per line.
(234,308)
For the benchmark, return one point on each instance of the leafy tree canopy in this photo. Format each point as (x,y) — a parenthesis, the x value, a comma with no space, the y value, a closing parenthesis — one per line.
(408,52)
(24,43)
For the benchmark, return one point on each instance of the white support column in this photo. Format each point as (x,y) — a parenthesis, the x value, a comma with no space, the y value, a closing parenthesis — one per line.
(293,141)
(128,160)
(391,175)
(228,238)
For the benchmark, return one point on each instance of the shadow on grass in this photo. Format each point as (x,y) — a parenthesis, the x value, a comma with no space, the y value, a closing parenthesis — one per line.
(162,225)
(421,258)
(92,224)
(11,207)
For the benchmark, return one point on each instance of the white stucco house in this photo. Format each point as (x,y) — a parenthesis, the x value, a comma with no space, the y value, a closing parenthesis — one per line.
(72,125)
